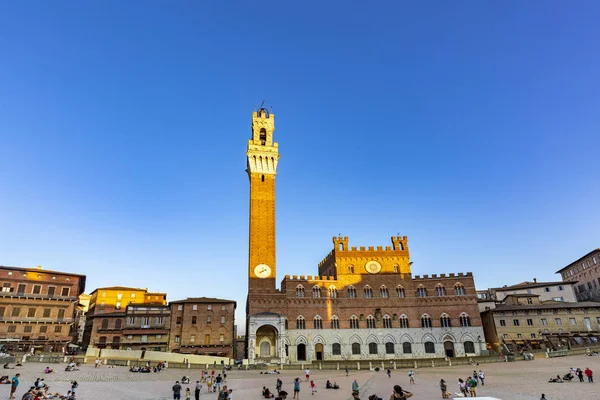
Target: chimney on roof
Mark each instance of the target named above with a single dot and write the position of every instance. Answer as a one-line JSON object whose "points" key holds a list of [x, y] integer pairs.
{"points": [[534, 280]]}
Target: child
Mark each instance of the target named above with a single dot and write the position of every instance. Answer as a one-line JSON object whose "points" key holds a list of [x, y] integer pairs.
{"points": [[209, 385], [188, 394], [313, 387]]}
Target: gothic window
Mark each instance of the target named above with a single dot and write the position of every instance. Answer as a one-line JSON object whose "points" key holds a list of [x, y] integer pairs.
{"points": [[351, 292], [445, 321], [299, 291], [425, 321], [459, 290], [332, 292], [370, 322], [400, 291], [387, 322], [368, 292], [429, 347], [396, 269], [465, 320], [335, 322], [318, 322], [353, 322], [469, 347], [383, 292], [355, 348], [440, 291], [389, 348], [351, 269], [406, 348], [421, 292], [403, 321], [300, 322], [372, 348], [316, 291], [336, 349]]}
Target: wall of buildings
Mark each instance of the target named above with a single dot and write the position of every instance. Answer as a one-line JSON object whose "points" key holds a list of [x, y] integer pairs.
{"points": [[585, 272]]}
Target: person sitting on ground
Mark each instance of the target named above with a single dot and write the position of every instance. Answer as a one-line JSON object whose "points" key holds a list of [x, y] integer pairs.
{"points": [[556, 380], [335, 385], [328, 385], [185, 380], [568, 377], [48, 370], [267, 393], [4, 379], [283, 395], [374, 397], [7, 366]]}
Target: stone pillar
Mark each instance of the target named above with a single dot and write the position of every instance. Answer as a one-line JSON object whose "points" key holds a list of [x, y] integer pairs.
{"points": [[358, 365], [337, 366], [394, 364]]}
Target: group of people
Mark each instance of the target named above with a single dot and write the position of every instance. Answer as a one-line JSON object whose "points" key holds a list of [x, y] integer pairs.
{"points": [[574, 372], [223, 393], [40, 390]]}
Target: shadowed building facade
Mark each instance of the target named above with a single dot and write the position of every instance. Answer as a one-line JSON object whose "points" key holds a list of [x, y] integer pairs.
{"points": [[364, 302]]}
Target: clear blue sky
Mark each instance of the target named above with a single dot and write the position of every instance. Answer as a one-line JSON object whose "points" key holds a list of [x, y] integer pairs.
{"points": [[471, 127]]}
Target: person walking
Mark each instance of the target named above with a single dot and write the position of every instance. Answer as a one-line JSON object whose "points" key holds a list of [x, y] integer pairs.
{"points": [[473, 387], [188, 394], [444, 389], [399, 394], [278, 385], [389, 372], [307, 373], [579, 374], [177, 391], [197, 390], [482, 377], [588, 373], [543, 397], [346, 371], [14, 384], [313, 388], [297, 388], [355, 386], [411, 377]]}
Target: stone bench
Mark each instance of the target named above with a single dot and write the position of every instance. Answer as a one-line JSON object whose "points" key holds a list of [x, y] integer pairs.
{"points": [[558, 353]]}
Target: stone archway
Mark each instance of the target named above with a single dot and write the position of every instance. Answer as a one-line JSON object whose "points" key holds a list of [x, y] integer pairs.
{"points": [[449, 348], [319, 353], [266, 343], [301, 352]]}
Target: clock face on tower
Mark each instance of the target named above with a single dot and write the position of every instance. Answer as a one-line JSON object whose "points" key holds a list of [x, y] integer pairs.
{"points": [[262, 271], [373, 267]]}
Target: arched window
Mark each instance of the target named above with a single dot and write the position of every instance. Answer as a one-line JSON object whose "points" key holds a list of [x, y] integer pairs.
{"points": [[396, 269], [368, 292], [406, 348], [469, 347], [102, 339], [336, 349], [403, 321], [383, 292], [445, 321], [353, 322], [335, 322], [400, 291], [263, 136], [300, 322], [387, 321], [316, 291], [425, 321], [459, 290], [355, 348], [421, 292], [105, 324], [372, 348], [370, 322], [299, 291], [389, 348], [332, 292], [440, 290], [351, 292], [116, 339], [351, 269], [118, 324], [318, 322], [465, 320], [429, 347]]}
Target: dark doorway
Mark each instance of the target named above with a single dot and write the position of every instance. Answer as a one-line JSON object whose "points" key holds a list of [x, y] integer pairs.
{"points": [[319, 351], [449, 348], [301, 352]]}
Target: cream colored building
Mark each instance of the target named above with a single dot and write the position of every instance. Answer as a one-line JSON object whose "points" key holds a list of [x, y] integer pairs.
{"points": [[585, 274]]}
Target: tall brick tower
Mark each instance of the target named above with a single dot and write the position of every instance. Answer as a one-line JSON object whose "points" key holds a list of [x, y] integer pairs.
{"points": [[263, 155]]}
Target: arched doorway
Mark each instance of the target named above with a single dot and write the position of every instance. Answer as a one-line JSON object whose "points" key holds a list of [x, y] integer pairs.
{"points": [[301, 352], [319, 351], [266, 342], [449, 348]]}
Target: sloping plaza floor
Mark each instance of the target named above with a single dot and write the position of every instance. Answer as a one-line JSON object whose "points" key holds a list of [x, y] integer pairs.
{"points": [[522, 380]]}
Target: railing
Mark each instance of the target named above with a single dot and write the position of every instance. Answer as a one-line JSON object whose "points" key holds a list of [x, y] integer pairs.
{"points": [[37, 296]]}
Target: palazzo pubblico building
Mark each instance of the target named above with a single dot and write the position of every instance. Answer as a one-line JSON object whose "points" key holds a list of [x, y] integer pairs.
{"points": [[363, 303]]}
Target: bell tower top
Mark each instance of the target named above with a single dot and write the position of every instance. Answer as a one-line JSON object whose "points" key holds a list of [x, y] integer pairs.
{"points": [[263, 153], [263, 125]]}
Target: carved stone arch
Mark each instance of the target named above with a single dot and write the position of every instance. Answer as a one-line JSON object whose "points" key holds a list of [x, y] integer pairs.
{"points": [[406, 338], [448, 338], [428, 337], [372, 338], [286, 340], [355, 338], [319, 339], [301, 340], [404, 316], [336, 339], [389, 338], [467, 337]]}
